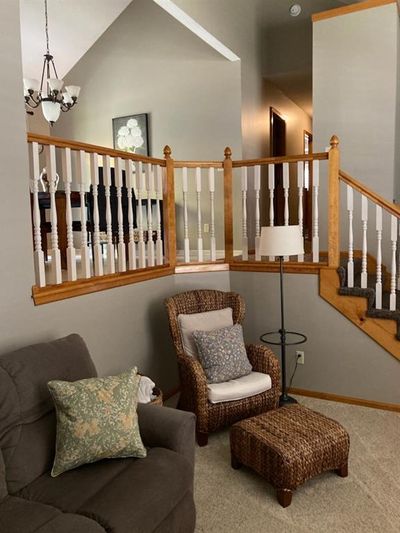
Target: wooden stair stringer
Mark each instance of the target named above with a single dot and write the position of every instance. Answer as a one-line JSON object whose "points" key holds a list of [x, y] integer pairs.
{"points": [[354, 308]]}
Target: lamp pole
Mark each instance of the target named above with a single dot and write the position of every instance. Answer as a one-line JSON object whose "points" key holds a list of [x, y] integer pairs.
{"points": [[284, 397]]}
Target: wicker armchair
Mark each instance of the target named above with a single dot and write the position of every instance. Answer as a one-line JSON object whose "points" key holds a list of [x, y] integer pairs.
{"points": [[194, 393]]}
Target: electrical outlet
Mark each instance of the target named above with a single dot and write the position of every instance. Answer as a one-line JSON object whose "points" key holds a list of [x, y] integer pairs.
{"points": [[206, 228], [300, 357]]}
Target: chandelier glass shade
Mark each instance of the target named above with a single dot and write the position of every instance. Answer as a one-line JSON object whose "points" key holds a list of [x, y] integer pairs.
{"points": [[49, 91]]}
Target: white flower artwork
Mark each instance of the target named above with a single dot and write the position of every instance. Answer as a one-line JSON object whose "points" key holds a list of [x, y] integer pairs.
{"points": [[130, 134]]}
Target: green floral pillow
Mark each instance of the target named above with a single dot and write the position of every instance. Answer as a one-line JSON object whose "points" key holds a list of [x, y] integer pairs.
{"points": [[96, 419]]}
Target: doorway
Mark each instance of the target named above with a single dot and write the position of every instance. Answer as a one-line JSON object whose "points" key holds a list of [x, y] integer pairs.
{"points": [[278, 148]]}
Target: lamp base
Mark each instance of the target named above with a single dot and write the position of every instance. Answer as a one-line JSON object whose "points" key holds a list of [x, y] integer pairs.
{"points": [[285, 399]]}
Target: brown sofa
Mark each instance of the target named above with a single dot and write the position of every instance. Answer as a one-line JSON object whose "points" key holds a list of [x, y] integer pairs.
{"points": [[154, 494]]}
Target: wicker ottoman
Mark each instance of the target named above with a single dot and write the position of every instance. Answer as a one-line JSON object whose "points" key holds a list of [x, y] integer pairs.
{"points": [[289, 445]]}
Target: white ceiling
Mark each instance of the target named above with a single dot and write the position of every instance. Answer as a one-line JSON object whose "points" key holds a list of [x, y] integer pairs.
{"points": [[74, 26]]}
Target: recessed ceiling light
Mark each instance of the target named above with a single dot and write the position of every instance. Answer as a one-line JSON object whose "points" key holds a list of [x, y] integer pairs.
{"points": [[295, 10]]}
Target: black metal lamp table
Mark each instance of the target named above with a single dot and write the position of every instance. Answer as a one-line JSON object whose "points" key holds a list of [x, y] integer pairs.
{"points": [[283, 341], [282, 241]]}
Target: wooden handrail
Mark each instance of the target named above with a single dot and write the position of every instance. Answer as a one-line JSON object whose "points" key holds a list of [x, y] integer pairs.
{"points": [[352, 8], [392, 208], [91, 148], [283, 159], [198, 164]]}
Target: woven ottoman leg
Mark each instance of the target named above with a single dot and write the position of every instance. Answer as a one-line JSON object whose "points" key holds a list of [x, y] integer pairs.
{"points": [[284, 497], [202, 438], [343, 471], [235, 463]]}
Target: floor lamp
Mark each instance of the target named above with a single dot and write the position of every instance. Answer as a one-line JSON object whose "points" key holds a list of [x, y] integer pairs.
{"points": [[282, 241]]}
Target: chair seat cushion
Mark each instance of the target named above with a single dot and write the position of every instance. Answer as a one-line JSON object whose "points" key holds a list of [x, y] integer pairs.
{"points": [[122, 495], [236, 389]]}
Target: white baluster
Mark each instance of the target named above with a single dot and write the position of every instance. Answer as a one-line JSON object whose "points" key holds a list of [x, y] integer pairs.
{"points": [[350, 261], [271, 188], [315, 239], [185, 190], [398, 260], [38, 256], [199, 228], [85, 258], [52, 177], [67, 178], [97, 255], [130, 180], [364, 219], [141, 187], [211, 186], [393, 237], [245, 243], [257, 187], [150, 190], [120, 215], [378, 285], [286, 198], [110, 262], [300, 185], [159, 195]]}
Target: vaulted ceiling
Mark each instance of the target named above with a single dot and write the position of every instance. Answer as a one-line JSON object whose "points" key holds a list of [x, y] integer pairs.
{"points": [[75, 25]]}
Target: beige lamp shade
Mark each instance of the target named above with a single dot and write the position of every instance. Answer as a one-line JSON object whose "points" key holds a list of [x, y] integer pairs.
{"points": [[281, 241]]}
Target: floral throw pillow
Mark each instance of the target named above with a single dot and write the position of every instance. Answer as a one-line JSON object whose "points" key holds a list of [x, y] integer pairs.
{"points": [[96, 419], [222, 353]]}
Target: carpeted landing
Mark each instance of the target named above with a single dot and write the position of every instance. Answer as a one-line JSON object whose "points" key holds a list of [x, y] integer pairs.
{"points": [[368, 501]]}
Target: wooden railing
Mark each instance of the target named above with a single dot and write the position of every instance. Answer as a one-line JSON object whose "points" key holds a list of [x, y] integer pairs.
{"points": [[105, 218], [387, 217]]}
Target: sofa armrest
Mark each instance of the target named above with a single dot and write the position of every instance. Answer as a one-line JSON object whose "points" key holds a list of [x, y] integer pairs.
{"points": [[168, 428]]}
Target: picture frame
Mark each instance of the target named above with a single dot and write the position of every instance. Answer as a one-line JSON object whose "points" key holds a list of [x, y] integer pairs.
{"points": [[131, 133]]}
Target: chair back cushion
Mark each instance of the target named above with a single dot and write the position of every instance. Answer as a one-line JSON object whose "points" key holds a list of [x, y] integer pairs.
{"points": [[222, 353], [200, 301], [27, 417], [207, 321]]}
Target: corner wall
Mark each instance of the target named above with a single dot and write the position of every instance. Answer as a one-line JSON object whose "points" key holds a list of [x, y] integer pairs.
{"points": [[124, 326], [339, 358]]}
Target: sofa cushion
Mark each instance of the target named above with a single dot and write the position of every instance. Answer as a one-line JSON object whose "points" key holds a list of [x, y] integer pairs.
{"points": [[122, 495], [27, 421], [207, 321], [96, 419], [21, 516], [236, 389]]}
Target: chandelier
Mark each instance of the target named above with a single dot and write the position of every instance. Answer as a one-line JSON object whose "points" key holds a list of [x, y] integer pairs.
{"points": [[49, 92]]}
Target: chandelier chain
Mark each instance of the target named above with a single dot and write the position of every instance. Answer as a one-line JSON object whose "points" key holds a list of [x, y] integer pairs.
{"points": [[46, 27]]}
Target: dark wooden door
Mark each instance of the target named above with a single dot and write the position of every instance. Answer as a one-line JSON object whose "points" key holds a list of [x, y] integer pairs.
{"points": [[278, 148]]}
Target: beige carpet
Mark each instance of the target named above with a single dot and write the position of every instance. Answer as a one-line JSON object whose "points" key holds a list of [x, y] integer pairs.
{"points": [[367, 501]]}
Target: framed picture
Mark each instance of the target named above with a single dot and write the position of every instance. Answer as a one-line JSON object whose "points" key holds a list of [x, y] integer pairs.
{"points": [[131, 134]]}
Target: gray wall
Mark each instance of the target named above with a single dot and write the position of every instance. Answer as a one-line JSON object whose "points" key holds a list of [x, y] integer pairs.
{"points": [[235, 23], [127, 325], [123, 327], [148, 62], [339, 358], [354, 96]]}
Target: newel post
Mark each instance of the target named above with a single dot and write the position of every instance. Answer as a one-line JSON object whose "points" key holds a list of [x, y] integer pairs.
{"points": [[228, 205], [169, 217], [334, 204]]}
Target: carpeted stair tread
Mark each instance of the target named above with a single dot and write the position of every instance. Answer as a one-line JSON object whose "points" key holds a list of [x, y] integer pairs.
{"points": [[369, 294]]}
